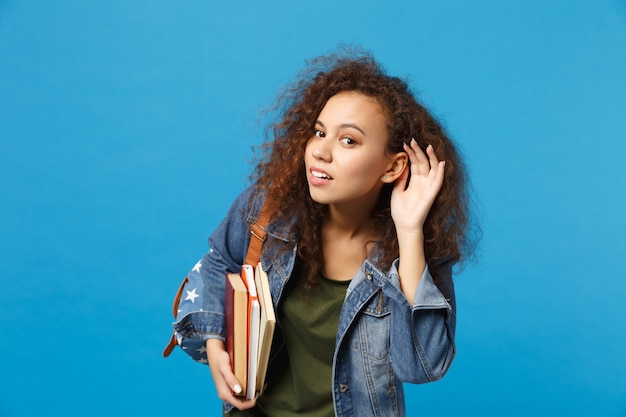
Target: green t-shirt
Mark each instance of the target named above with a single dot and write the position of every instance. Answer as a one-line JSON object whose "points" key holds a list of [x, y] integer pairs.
{"points": [[300, 379]]}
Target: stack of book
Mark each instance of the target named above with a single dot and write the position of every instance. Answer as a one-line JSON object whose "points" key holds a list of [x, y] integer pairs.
{"points": [[250, 322]]}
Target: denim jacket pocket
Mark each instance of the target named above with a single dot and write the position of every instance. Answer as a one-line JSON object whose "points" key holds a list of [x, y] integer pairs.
{"points": [[371, 335]]}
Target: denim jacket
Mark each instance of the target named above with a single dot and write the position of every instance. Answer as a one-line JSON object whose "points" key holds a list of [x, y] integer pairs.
{"points": [[382, 341]]}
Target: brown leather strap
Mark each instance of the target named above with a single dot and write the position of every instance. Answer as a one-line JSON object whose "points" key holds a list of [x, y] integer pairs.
{"points": [[172, 343], [170, 346], [258, 235]]}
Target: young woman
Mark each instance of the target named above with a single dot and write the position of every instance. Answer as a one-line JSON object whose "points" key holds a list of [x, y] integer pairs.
{"points": [[369, 207]]}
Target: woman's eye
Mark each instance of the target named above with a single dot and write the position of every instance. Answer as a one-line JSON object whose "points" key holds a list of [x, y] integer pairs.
{"points": [[319, 133], [347, 140]]}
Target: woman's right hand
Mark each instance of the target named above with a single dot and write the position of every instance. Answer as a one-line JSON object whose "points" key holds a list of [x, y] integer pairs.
{"points": [[225, 381]]}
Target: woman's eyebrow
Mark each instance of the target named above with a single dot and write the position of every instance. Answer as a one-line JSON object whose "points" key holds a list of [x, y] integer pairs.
{"points": [[343, 125]]}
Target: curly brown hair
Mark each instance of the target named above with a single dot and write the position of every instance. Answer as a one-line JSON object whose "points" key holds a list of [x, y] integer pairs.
{"points": [[280, 172]]}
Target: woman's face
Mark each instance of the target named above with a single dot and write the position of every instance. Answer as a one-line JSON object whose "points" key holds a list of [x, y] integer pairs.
{"points": [[345, 158]]}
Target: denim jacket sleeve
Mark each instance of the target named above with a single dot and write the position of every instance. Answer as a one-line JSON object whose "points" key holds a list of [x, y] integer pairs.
{"points": [[426, 329], [200, 313]]}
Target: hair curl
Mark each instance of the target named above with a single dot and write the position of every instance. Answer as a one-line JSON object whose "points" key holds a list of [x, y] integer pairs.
{"points": [[281, 172]]}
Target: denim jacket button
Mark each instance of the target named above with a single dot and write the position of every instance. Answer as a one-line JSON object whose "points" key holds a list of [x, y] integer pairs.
{"points": [[343, 388], [368, 275]]}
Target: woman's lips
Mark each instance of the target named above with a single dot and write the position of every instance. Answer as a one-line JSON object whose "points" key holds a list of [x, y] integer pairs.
{"points": [[319, 176]]}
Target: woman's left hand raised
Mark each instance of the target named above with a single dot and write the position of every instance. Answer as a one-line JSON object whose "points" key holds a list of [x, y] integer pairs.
{"points": [[410, 204]]}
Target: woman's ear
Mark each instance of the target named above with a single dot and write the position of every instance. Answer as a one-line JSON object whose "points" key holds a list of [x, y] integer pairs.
{"points": [[397, 164]]}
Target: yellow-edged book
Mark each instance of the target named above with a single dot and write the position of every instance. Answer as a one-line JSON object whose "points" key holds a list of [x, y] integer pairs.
{"points": [[268, 322]]}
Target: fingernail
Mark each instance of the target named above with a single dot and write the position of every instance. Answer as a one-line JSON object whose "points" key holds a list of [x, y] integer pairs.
{"points": [[237, 389]]}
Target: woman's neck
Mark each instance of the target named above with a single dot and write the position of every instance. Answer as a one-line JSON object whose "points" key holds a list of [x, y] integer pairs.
{"points": [[347, 236], [349, 222]]}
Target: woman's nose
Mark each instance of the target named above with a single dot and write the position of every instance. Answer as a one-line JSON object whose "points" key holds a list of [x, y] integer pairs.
{"points": [[322, 149]]}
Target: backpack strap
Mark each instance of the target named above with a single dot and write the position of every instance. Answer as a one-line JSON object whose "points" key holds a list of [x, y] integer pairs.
{"points": [[172, 342], [258, 235]]}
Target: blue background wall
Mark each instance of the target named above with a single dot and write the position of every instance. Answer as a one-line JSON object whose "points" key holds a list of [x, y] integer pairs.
{"points": [[125, 128]]}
